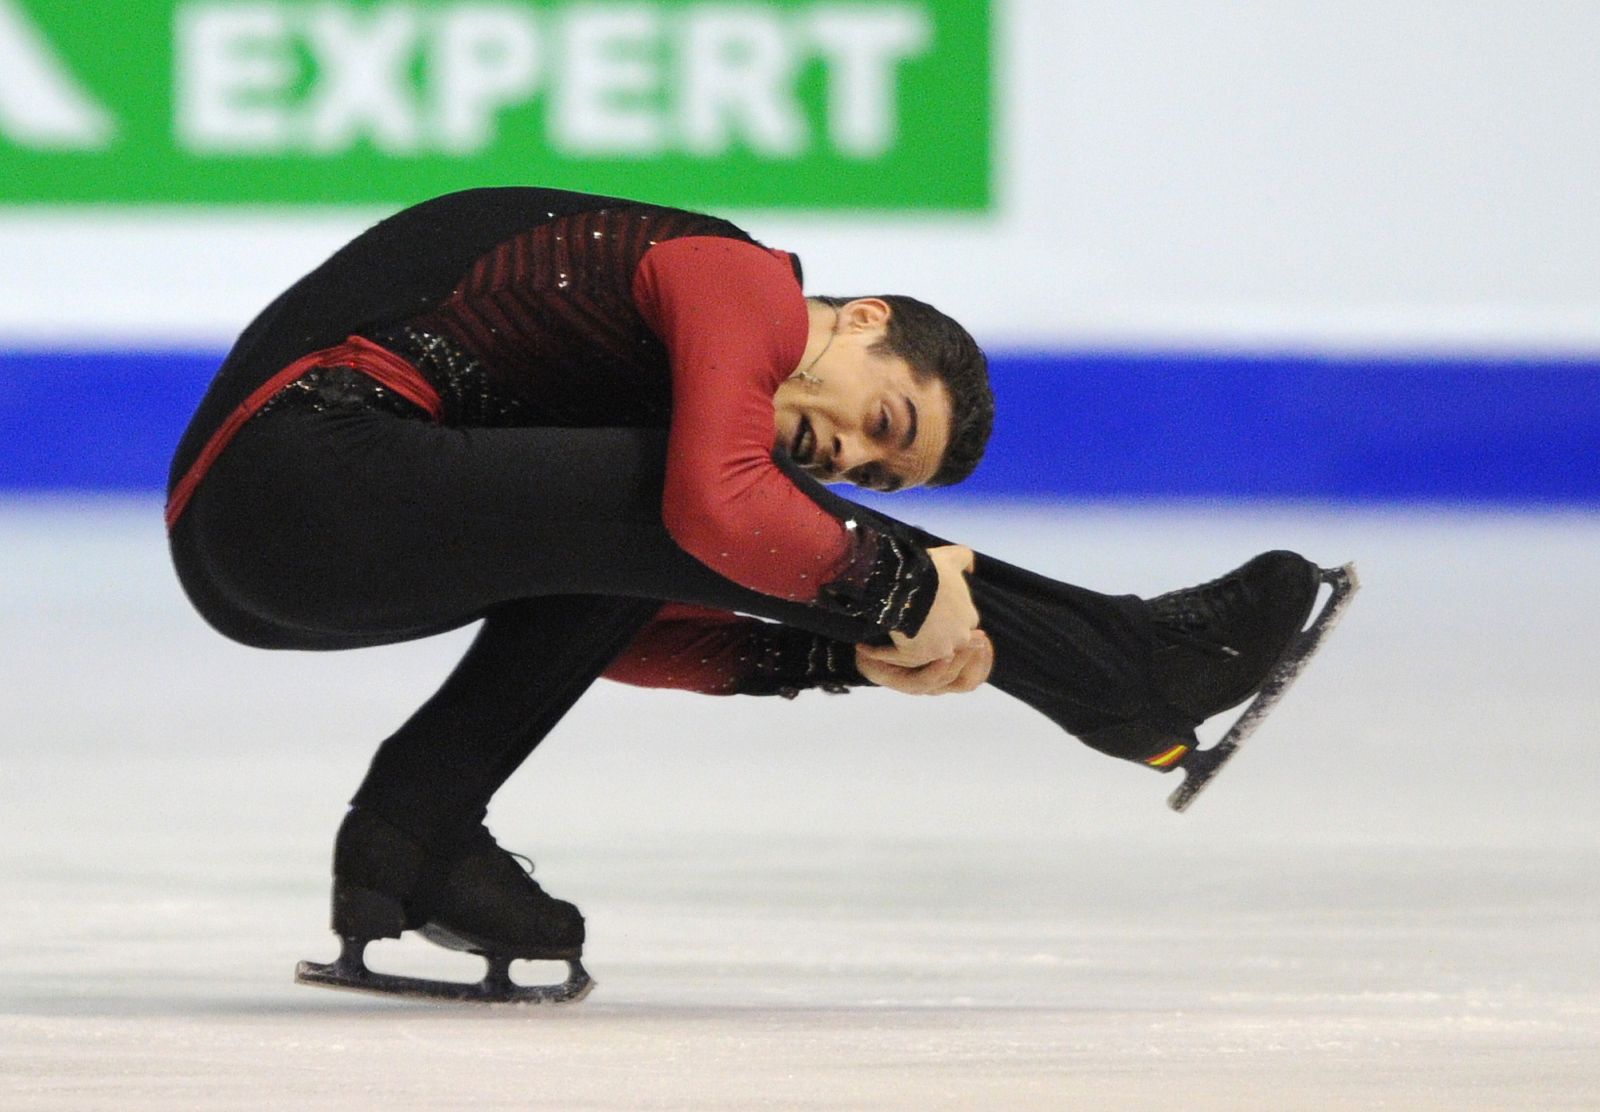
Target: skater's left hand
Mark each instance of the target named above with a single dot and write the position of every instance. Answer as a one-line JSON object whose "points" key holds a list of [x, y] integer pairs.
{"points": [[966, 670]]}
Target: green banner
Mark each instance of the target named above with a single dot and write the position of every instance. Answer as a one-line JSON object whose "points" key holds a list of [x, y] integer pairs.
{"points": [[874, 104]]}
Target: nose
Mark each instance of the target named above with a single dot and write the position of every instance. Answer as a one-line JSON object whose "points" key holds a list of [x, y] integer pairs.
{"points": [[849, 452]]}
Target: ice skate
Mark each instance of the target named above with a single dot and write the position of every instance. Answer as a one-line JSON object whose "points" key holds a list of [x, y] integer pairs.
{"points": [[478, 899], [1252, 623], [1217, 642]]}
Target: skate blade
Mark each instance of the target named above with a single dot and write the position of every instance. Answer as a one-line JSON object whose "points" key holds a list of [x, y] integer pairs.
{"points": [[349, 972], [1201, 766]]}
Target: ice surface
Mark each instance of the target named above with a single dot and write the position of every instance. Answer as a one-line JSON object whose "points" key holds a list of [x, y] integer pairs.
{"points": [[870, 902]]}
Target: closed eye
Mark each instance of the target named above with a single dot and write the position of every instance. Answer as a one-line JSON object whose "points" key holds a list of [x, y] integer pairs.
{"points": [[873, 477]]}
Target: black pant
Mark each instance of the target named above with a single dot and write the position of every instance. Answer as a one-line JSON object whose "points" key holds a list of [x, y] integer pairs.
{"points": [[353, 527]]}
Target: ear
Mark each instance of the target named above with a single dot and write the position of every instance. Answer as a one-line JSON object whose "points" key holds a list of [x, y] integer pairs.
{"points": [[865, 314]]}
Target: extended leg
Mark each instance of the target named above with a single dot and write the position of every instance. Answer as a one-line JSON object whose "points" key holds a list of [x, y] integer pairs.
{"points": [[357, 526]]}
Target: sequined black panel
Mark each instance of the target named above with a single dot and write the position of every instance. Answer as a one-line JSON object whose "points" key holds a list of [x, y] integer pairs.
{"points": [[327, 388], [889, 582], [788, 661], [469, 393]]}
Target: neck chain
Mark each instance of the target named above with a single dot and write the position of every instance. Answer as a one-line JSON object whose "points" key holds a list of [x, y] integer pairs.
{"points": [[804, 374]]}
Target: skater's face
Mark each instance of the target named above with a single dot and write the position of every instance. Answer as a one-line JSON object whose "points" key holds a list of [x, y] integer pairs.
{"points": [[855, 413]]}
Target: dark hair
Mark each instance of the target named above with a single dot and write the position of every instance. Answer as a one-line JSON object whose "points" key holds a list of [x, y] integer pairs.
{"points": [[936, 346]]}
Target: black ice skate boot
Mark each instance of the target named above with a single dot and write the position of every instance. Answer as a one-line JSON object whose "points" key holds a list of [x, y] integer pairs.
{"points": [[472, 896], [1217, 642], [1221, 643], [483, 899], [1214, 646]]}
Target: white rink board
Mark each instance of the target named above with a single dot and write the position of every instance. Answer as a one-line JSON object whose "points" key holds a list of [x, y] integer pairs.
{"points": [[867, 902], [1389, 174]]}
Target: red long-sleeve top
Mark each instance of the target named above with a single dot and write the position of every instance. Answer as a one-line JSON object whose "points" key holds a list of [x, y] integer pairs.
{"points": [[735, 325]]}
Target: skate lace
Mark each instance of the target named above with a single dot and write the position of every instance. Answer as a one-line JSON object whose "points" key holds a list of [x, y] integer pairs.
{"points": [[526, 864], [1194, 615]]}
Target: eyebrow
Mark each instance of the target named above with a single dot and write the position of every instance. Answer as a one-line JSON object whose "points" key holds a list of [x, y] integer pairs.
{"points": [[911, 430]]}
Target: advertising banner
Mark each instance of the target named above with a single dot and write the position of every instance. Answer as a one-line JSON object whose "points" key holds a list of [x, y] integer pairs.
{"points": [[870, 104]]}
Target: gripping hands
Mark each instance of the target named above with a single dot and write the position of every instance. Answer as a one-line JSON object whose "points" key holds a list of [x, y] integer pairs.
{"points": [[949, 653]]}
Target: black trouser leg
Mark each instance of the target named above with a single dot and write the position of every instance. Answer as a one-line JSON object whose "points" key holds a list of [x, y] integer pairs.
{"points": [[530, 662]]}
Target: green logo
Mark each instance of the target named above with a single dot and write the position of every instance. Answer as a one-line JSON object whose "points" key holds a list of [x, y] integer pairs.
{"points": [[827, 104]]}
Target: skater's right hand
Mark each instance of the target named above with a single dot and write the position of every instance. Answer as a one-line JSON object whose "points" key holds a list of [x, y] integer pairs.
{"points": [[950, 621], [965, 671]]}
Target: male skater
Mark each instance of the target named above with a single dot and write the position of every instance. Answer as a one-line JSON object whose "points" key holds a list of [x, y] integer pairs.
{"points": [[597, 426]]}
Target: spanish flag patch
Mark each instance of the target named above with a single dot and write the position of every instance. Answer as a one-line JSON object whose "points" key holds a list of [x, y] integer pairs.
{"points": [[1169, 758]]}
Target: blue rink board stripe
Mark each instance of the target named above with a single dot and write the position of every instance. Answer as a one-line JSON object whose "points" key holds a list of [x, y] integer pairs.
{"points": [[1072, 424]]}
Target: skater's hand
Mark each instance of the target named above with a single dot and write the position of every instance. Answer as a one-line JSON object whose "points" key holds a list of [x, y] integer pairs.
{"points": [[965, 671], [950, 622]]}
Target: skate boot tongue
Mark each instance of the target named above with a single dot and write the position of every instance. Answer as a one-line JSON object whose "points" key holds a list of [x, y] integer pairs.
{"points": [[1196, 618], [1226, 609]]}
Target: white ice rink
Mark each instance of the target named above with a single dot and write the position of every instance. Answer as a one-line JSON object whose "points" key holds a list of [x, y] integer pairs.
{"points": [[872, 902]]}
